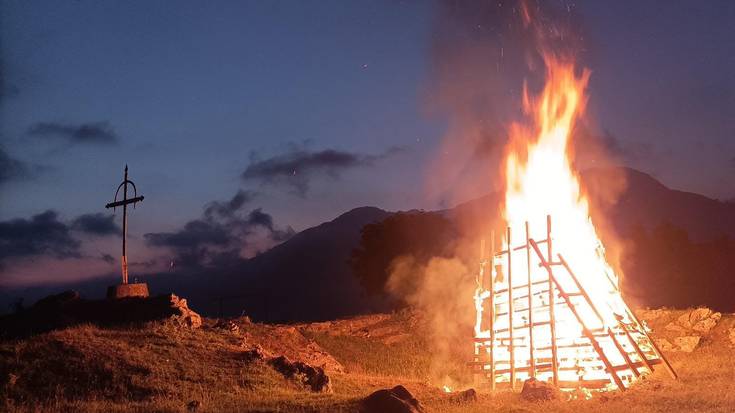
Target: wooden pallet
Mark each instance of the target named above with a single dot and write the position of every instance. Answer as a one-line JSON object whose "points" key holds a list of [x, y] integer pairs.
{"points": [[614, 355]]}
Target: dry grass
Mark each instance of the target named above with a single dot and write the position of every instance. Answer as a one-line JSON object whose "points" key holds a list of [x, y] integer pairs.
{"points": [[162, 367]]}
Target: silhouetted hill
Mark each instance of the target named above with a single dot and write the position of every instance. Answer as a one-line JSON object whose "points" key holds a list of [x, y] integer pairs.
{"points": [[309, 276], [648, 203]]}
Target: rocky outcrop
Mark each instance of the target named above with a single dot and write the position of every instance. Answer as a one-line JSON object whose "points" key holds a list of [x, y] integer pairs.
{"points": [[535, 390], [463, 397], [290, 342], [310, 377], [182, 313], [395, 400], [688, 329]]}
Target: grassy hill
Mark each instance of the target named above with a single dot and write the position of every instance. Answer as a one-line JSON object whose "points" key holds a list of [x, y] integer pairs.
{"points": [[165, 367]]}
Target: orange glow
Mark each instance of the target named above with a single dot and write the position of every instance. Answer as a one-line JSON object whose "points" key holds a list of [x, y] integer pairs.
{"points": [[540, 182]]}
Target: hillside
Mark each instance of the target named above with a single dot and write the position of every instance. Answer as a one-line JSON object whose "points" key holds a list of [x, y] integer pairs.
{"points": [[224, 366]]}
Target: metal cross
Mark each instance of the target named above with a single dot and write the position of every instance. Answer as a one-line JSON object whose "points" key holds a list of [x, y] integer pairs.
{"points": [[124, 203]]}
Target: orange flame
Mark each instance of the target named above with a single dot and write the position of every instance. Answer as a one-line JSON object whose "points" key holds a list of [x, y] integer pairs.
{"points": [[540, 182]]}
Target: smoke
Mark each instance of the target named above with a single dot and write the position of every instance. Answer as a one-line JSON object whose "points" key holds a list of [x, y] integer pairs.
{"points": [[485, 56], [481, 55], [441, 289]]}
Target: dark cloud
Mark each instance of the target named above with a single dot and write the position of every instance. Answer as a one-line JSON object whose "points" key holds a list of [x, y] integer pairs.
{"points": [[96, 224], [195, 234], [42, 234], [229, 208], [298, 166], [83, 133], [257, 217], [11, 169], [108, 258], [218, 237]]}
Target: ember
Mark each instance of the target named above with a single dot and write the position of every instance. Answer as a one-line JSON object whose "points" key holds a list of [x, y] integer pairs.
{"points": [[548, 305]]}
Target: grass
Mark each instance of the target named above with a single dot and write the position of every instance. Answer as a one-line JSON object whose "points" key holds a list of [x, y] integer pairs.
{"points": [[162, 367]]}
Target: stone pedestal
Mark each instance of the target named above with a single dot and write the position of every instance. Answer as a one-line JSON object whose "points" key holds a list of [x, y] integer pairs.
{"points": [[138, 290]]}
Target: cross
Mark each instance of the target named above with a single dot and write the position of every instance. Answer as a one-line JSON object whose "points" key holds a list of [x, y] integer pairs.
{"points": [[124, 203]]}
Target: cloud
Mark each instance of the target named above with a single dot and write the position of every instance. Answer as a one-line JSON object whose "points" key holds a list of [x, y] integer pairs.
{"points": [[219, 236], [229, 208], [83, 133], [298, 166], [108, 258], [12, 169], [732, 162], [42, 234], [96, 224]]}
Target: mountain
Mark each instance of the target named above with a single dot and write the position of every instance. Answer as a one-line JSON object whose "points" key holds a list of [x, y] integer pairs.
{"points": [[309, 276], [646, 202]]}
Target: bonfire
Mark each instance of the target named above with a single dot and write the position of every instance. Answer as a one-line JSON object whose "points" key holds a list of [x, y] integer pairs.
{"points": [[548, 303]]}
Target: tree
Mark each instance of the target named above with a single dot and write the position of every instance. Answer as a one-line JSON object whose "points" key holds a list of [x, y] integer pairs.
{"points": [[423, 235]]}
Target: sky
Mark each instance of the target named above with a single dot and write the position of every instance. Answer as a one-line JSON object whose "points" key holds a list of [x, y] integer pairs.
{"points": [[274, 116]]}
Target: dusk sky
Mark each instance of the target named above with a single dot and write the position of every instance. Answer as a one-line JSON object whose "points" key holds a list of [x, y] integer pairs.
{"points": [[309, 108]]}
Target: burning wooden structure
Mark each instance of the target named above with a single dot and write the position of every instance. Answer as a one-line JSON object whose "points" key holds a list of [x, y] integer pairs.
{"points": [[536, 318]]}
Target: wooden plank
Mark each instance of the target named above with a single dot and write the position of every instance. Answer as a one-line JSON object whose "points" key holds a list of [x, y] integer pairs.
{"points": [[552, 317], [622, 351], [637, 349], [580, 288], [530, 303], [585, 330], [492, 309], [511, 328]]}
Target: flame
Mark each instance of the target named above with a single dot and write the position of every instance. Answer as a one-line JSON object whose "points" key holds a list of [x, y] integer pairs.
{"points": [[544, 183], [540, 181]]}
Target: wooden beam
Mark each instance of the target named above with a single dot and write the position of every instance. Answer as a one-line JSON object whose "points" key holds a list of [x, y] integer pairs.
{"points": [[510, 311], [530, 304], [552, 317], [622, 351], [585, 330]]}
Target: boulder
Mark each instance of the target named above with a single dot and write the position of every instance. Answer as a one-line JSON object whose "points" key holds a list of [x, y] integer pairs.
{"points": [[312, 377], [701, 320], [183, 314], [535, 390], [395, 400], [463, 397], [731, 336], [228, 325], [687, 344], [665, 344], [675, 327]]}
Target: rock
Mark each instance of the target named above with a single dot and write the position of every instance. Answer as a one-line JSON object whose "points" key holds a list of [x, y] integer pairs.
{"points": [[664, 344], [676, 328], [651, 314], [463, 397], [701, 320], [535, 390], [312, 377], [395, 400], [731, 336], [183, 314], [256, 353], [193, 405], [687, 344], [227, 325]]}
